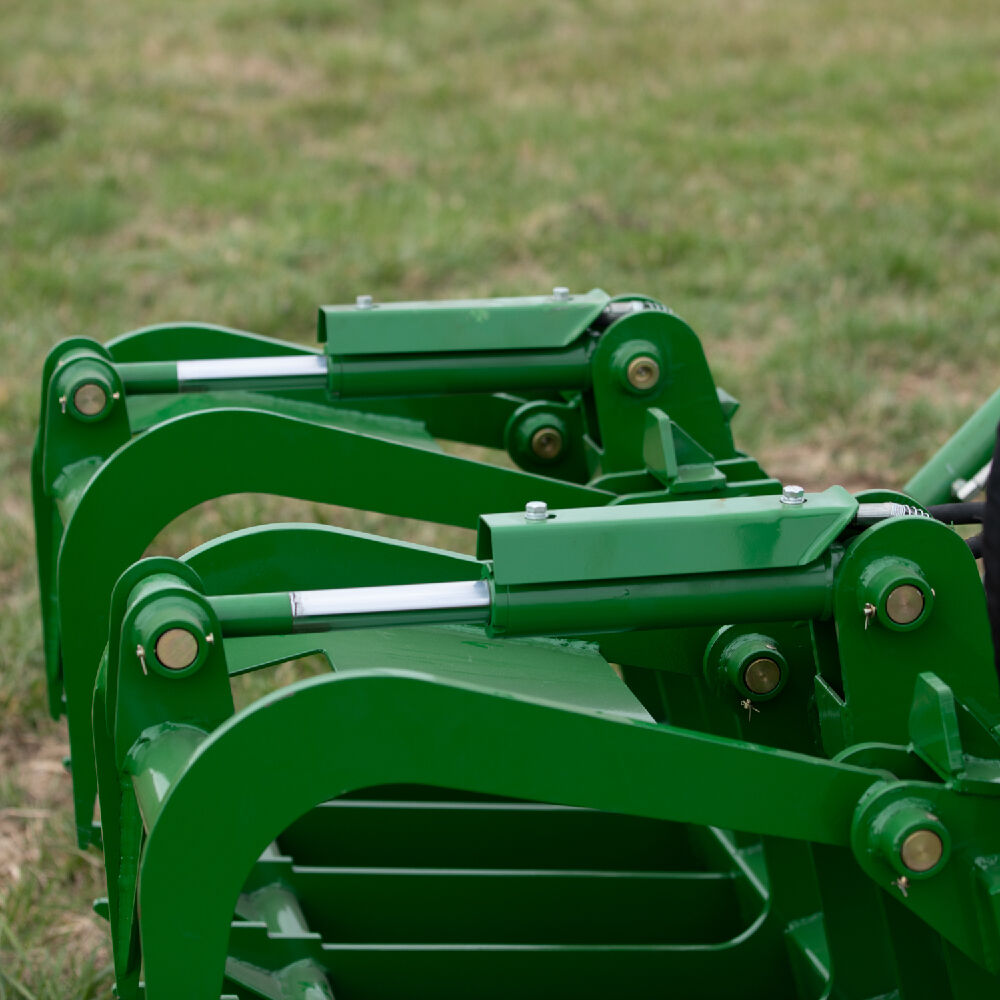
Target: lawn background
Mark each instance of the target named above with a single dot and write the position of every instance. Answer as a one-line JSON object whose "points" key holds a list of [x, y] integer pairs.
{"points": [[813, 186]]}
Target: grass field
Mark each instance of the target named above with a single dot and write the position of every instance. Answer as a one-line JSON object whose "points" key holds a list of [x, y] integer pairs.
{"points": [[812, 186]]}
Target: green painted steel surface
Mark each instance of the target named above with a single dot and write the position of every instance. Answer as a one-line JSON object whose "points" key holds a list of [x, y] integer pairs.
{"points": [[671, 602], [453, 737], [682, 539], [108, 529], [954, 642], [571, 674], [279, 565], [68, 471], [595, 436], [684, 391], [545, 721], [530, 323], [603, 808], [366, 375]]}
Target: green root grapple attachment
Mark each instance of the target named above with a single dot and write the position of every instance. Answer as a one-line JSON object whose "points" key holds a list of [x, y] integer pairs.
{"points": [[674, 731], [596, 400]]}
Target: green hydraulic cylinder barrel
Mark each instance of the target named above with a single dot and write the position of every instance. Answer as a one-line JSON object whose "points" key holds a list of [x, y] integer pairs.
{"points": [[254, 614], [362, 376], [960, 458], [147, 377], [793, 594]]}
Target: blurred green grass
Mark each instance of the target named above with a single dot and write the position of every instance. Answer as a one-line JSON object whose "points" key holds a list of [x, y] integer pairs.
{"points": [[812, 186]]}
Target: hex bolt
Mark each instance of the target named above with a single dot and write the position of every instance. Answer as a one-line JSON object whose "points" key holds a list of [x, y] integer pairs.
{"points": [[921, 851], [762, 675], [792, 495], [90, 399], [905, 604], [547, 443], [560, 293], [364, 302], [536, 510], [177, 648], [643, 372]]}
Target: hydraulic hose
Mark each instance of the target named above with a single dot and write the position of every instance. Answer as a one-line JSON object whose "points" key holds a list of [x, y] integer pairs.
{"points": [[991, 550]]}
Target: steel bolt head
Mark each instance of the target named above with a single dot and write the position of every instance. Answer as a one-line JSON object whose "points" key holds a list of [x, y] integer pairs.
{"points": [[793, 495], [547, 443], [90, 399], [643, 372], [921, 851], [762, 675], [905, 604], [536, 510], [364, 302], [177, 648], [560, 293]]}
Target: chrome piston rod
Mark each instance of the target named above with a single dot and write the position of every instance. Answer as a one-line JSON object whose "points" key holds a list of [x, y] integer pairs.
{"points": [[462, 601], [307, 370]]}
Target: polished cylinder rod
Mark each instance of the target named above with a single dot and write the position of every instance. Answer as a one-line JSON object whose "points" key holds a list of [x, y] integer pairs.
{"points": [[290, 371], [462, 601]]}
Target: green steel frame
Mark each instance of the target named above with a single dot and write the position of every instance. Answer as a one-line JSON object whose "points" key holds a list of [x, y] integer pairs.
{"points": [[786, 785], [105, 484], [433, 765]]}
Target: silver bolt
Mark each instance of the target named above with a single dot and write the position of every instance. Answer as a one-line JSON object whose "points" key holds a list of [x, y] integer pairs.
{"points": [[793, 495], [364, 301], [536, 510], [560, 293]]}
